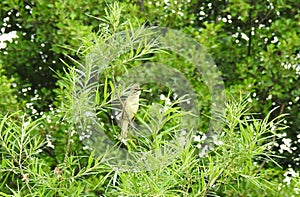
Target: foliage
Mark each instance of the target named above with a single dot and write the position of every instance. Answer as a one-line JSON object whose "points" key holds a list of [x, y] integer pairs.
{"points": [[8, 102], [254, 43], [230, 170]]}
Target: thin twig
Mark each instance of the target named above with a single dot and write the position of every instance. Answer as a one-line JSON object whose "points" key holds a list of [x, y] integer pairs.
{"points": [[264, 18], [115, 86], [68, 146], [274, 137]]}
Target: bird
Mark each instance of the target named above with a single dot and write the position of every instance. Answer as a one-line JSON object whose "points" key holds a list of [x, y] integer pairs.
{"points": [[129, 109]]}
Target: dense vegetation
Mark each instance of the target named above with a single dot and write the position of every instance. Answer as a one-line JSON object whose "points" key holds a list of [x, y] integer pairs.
{"points": [[47, 86]]}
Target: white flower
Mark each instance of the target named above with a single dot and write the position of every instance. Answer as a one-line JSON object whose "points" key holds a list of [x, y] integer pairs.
{"points": [[287, 180], [289, 175], [202, 13], [274, 40], [86, 148], [269, 97], [245, 37], [197, 138], [8, 36], [287, 141]]}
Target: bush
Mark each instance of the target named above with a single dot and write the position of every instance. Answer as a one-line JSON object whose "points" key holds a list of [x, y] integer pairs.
{"points": [[255, 44], [8, 101]]}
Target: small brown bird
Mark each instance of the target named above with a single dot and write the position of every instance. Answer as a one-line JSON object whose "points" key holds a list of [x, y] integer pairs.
{"points": [[130, 108]]}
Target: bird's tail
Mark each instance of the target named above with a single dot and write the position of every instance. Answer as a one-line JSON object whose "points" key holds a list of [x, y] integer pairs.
{"points": [[124, 129]]}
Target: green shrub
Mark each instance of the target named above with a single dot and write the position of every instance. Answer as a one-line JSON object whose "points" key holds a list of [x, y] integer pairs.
{"points": [[8, 101], [255, 44]]}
